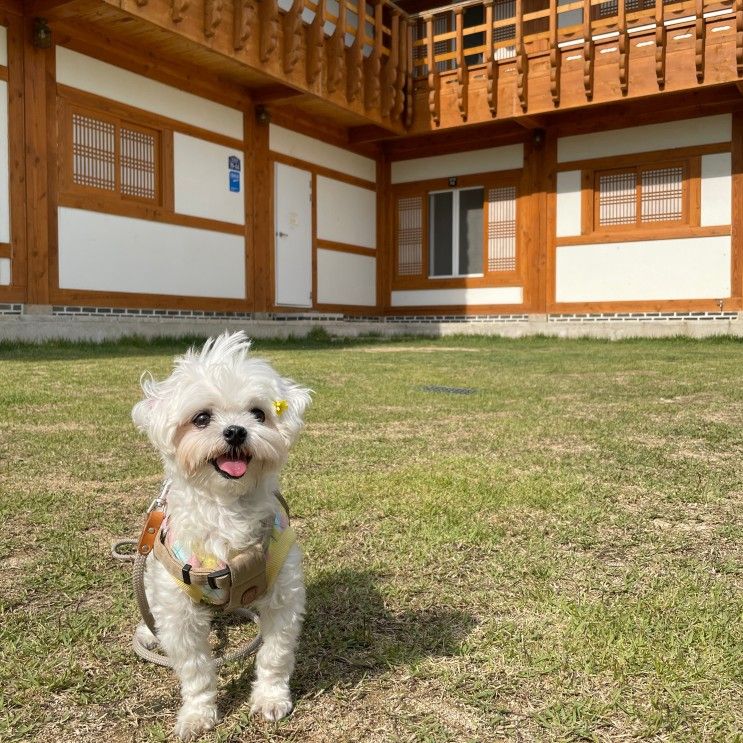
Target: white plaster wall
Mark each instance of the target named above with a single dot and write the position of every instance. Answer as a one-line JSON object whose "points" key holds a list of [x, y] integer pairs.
{"points": [[302, 147], [4, 271], [3, 46], [667, 136], [568, 203], [509, 157], [432, 297], [4, 167], [92, 75], [202, 180], [346, 278], [346, 213], [688, 268], [717, 193], [104, 252]]}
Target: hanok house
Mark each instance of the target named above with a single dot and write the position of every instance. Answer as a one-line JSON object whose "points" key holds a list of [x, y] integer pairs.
{"points": [[487, 160]]}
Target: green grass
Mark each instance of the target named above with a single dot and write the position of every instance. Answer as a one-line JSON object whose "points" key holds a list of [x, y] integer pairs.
{"points": [[556, 557]]}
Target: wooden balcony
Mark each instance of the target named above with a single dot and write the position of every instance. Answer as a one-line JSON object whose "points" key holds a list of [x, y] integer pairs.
{"points": [[342, 61], [483, 60], [379, 72]]}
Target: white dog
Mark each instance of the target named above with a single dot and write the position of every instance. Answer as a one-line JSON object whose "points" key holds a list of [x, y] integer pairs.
{"points": [[223, 423]]}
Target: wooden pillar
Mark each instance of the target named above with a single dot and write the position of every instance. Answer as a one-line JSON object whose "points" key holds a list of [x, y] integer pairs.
{"points": [[736, 220], [385, 250], [259, 185], [537, 218], [38, 66]]}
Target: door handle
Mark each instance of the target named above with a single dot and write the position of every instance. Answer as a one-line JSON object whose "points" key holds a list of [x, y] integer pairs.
{"points": [[282, 234]]}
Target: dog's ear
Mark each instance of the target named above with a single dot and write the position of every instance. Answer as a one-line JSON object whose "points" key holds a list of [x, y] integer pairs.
{"points": [[150, 414], [297, 401]]}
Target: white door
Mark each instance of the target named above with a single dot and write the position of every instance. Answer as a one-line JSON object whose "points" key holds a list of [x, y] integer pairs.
{"points": [[293, 240]]}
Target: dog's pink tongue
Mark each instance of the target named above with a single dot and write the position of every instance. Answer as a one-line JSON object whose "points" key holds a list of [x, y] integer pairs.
{"points": [[233, 467]]}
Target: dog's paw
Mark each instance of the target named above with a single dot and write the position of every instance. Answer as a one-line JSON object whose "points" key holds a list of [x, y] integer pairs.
{"points": [[193, 721], [272, 704], [145, 637]]}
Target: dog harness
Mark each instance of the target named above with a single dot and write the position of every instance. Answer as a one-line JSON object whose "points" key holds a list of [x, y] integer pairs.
{"points": [[241, 580]]}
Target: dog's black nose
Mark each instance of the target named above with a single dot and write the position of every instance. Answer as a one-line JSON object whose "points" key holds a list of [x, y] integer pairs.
{"points": [[235, 435]]}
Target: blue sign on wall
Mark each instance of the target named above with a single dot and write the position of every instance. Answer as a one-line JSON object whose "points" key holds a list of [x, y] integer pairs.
{"points": [[233, 163], [235, 181]]}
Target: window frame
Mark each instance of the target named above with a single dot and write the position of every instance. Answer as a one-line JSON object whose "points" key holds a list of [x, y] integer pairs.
{"points": [[116, 196], [638, 171], [422, 189]]}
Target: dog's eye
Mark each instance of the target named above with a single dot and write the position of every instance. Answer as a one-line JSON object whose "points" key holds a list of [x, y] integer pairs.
{"points": [[202, 419], [259, 414]]}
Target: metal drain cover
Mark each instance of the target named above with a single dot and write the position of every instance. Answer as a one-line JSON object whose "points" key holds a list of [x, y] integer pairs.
{"points": [[448, 390]]}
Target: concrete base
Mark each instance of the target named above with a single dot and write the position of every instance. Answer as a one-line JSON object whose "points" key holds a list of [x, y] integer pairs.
{"points": [[37, 326]]}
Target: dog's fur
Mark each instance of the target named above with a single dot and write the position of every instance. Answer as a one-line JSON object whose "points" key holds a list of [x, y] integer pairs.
{"points": [[224, 515]]}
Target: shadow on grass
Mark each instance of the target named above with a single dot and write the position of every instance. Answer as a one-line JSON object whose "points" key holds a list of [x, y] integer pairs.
{"points": [[349, 634]]}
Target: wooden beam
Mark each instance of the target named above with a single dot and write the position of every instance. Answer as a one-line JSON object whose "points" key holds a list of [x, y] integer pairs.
{"points": [[261, 246], [736, 238], [280, 94], [370, 133]]}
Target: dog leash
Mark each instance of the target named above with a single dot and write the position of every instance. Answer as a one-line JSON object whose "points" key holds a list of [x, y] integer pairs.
{"points": [[121, 551]]}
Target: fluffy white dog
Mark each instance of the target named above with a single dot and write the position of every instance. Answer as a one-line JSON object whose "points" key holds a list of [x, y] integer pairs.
{"points": [[223, 423]]}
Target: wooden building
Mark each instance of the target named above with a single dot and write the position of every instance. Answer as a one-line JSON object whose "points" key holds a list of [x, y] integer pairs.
{"points": [[487, 158]]}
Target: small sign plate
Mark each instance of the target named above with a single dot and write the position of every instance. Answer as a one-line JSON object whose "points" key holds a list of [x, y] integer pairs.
{"points": [[235, 181]]}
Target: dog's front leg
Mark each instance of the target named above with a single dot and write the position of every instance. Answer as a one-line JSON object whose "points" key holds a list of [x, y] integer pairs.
{"points": [[183, 630], [281, 613]]}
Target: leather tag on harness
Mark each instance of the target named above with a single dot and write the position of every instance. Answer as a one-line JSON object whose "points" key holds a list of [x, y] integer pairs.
{"points": [[149, 532]]}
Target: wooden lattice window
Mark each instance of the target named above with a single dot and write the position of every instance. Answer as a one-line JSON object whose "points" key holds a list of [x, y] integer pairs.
{"points": [[502, 228], [642, 196], [409, 236], [109, 155]]}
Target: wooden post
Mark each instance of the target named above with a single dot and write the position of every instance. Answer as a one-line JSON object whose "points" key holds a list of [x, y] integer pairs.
{"points": [[384, 236], [336, 50], [661, 38], [409, 81], [491, 63], [624, 47], [555, 55], [522, 60], [700, 41], [739, 37], [373, 65], [315, 43], [433, 76], [244, 16], [212, 17], [355, 69], [259, 195], [736, 220], [390, 94], [589, 50], [178, 9], [292, 35], [269, 22], [37, 64], [462, 72], [402, 60]]}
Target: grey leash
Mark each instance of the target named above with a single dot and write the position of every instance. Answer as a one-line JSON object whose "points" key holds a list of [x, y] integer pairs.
{"points": [[120, 551]]}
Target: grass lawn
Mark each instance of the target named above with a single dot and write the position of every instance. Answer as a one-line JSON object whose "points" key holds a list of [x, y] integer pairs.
{"points": [[556, 557]]}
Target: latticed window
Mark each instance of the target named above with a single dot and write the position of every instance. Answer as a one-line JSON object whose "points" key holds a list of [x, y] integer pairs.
{"points": [[502, 228], [109, 155], [641, 196], [409, 236]]}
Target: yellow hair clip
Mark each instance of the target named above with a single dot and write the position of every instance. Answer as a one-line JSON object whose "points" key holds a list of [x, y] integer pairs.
{"points": [[280, 406]]}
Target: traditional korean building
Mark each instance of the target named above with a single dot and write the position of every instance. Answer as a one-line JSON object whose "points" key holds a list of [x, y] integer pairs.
{"points": [[484, 160]]}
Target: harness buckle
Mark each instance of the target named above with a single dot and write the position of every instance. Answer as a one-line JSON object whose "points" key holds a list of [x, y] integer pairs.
{"points": [[212, 578]]}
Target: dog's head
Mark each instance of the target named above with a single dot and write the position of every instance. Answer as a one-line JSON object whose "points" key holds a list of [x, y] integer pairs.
{"points": [[222, 419]]}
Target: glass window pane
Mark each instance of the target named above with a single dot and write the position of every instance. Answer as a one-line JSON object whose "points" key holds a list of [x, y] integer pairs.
{"points": [[470, 230], [440, 240]]}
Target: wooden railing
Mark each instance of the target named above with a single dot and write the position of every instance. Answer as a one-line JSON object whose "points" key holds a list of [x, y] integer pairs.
{"points": [[486, 32]]}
